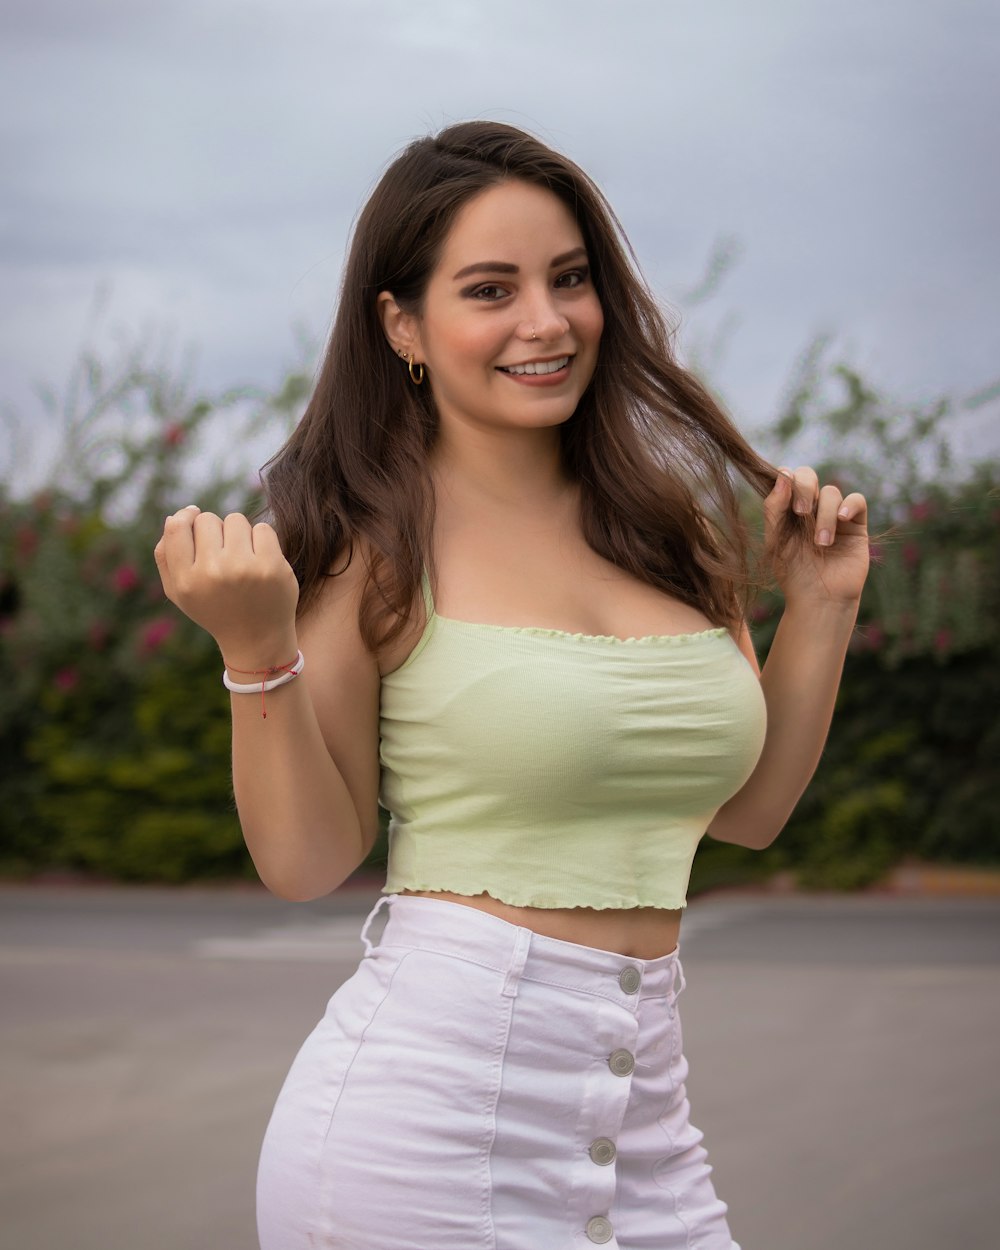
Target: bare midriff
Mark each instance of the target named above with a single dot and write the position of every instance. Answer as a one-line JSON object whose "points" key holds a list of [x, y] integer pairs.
{"points": [[636, 932]]}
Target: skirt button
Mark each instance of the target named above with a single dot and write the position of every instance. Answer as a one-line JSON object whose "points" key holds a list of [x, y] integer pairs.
{"points": [[629, 979], [599, 1230], [621, 1062]]}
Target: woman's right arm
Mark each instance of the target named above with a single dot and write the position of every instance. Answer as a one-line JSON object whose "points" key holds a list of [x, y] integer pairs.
{"points": [[306, 777]]}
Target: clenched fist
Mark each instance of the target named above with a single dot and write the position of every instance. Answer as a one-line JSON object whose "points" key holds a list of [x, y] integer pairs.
{"points": [[231, 578]]}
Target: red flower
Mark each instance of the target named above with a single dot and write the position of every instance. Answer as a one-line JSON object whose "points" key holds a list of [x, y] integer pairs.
{"points": [[125, 578], [66, 679], [174, 434], [943, 640], [911, 555], [921, 511], [155, 633]]}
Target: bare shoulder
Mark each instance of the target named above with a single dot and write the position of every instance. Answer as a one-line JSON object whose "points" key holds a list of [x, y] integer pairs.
{"points": [[745, 644], [343, 680]]}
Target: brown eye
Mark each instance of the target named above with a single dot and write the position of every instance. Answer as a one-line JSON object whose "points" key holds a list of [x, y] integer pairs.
{"points": [[573, 278]]}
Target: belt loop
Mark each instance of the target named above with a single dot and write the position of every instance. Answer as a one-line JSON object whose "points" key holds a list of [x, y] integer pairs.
{"points": [[679, 981], [369, 946], [518, 958]]}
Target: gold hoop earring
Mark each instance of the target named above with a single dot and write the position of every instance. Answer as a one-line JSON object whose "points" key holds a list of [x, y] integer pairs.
{"points": [[416, 374]]}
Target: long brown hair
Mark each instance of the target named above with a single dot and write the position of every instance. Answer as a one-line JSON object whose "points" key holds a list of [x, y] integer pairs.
{"points": [[655, 455]]}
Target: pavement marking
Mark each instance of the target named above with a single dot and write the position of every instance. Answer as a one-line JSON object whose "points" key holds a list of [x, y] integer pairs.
{"points": [[703, 917], [315, 942], [322, 941]]}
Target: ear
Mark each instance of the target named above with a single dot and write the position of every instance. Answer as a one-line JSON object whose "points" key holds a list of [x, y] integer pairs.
{"points": [[402, 329]]}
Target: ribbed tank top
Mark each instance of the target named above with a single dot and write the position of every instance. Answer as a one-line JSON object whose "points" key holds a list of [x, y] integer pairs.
{"points": [[552, 769]]}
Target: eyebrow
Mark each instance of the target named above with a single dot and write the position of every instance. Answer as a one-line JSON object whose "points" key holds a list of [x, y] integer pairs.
{"points": [[503, 266]]}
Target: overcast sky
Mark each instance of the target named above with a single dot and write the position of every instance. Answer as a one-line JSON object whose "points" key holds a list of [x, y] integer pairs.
{"points": [[202, 161]]}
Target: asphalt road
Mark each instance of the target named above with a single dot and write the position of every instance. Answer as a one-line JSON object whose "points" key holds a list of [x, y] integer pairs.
{"points": [[843, 1055]]}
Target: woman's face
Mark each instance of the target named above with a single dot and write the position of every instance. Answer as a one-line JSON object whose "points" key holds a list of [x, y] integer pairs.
{"points": [[511, 322]]}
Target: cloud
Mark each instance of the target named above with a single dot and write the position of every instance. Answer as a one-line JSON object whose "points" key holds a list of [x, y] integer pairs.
{"points": [[207, 158]]}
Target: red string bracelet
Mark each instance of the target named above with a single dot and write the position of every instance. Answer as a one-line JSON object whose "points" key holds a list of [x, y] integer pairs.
{"points": [[288, 672]]}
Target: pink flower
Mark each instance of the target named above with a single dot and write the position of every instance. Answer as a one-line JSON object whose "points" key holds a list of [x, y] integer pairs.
{"points": [[875, 553], [174, 434], [155, 633], [66, 679], [874, 637], [921, 511], [943, 640], [125, 578], [911, 555]]}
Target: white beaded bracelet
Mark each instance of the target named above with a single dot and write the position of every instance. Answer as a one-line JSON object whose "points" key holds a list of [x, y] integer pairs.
{"points": [[287, 673]]}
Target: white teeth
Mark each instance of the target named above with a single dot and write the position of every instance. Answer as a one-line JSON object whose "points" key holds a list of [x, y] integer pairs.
{"points": [[547, 366]]}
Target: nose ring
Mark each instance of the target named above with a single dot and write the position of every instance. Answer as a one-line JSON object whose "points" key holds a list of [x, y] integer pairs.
{"points": [[533, 334]]}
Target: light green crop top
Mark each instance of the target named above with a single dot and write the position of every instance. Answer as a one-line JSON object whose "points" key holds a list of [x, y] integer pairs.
{"points": [[552, 769]]}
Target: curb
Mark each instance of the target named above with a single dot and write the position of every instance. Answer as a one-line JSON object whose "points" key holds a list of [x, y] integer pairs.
{"points": [[941, 880]]}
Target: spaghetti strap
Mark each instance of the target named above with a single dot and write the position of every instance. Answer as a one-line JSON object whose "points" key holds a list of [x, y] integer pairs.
{"points": [[425, 583]]}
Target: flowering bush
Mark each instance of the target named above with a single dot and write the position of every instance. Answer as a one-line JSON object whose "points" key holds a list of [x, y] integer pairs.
{"points": [[115, 748], [910, 765], [115, 729]]}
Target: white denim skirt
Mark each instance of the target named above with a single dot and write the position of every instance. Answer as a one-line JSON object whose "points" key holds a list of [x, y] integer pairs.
{"points": [[474, 1085]]}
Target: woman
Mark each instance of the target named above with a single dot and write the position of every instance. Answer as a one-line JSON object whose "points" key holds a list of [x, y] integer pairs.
{"points": [[506, 538]]}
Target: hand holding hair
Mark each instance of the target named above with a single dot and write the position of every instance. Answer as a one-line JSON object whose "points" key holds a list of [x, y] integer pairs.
{"points": [[831, 568]]}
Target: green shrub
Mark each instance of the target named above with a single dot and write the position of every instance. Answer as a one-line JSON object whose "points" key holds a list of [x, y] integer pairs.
{"points": [[114, 737]]}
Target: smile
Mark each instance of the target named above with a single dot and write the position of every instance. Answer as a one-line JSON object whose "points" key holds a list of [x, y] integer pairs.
{"points": [[536, 366]]}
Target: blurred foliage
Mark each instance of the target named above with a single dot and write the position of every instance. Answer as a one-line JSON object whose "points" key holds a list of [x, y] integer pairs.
{"points": [[114, 736], [910, 767], [115, 729]]}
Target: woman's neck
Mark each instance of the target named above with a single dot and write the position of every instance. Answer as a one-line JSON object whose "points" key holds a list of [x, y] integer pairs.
{"points": [[507, 472]]}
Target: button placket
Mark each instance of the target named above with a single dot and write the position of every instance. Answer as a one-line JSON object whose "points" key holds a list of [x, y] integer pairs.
{"points": [[596, 1183]]}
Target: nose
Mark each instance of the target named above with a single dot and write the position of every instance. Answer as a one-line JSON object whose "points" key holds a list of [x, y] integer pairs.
{"points": [[542, 321]]}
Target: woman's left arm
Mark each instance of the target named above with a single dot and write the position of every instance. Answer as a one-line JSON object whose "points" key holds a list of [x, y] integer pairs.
{"points": [[821, 583]]}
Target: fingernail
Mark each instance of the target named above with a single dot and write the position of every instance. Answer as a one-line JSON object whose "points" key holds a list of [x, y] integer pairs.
{"points": [[844, 512], [801, 507], [824, 538], [189, 506]]}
